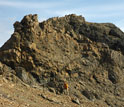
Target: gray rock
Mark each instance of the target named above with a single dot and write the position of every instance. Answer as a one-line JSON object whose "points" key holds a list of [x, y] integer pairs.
{"points": [[76, 101], [52, 90], [24, 76], [89, 95]]}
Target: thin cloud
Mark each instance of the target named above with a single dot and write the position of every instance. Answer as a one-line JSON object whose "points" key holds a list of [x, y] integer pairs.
{"points": [[89, 14], [106, 7], [120, 23], [42, 19], [19, 4], [103, 10]]}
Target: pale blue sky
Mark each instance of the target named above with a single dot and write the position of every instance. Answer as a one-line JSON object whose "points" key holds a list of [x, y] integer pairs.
{"points": [[93, 11]]}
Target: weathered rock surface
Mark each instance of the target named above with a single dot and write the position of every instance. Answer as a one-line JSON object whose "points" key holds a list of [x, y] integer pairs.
{"points": [[88, 56]]}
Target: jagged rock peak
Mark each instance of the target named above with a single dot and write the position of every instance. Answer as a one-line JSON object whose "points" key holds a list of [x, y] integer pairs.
{"points": [[27, 22], [30, 18], [70, 17], [56, 40]]}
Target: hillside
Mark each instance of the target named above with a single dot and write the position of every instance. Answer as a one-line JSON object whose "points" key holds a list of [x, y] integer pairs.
{"points": [[89, 57]]}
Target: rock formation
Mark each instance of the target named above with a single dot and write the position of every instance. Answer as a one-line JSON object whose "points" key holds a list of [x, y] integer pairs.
{"points": [[89, 56]]}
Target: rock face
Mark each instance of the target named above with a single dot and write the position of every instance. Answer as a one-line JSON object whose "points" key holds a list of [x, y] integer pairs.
{"points": [[89, 56]]}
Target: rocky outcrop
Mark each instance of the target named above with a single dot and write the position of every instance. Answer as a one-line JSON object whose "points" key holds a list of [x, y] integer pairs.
{"points": [[89, 56]]}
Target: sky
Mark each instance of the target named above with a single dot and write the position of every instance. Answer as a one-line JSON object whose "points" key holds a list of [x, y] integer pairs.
{"points": [[101, 11]]}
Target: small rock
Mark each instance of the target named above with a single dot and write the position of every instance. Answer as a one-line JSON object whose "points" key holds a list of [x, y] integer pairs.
{"points": [[52, 90], [76, 101], [11, 85], [122, 99], [55, 100], [51, 99], [1, 72], [88, 94], [113, 77], [5, 80]]}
